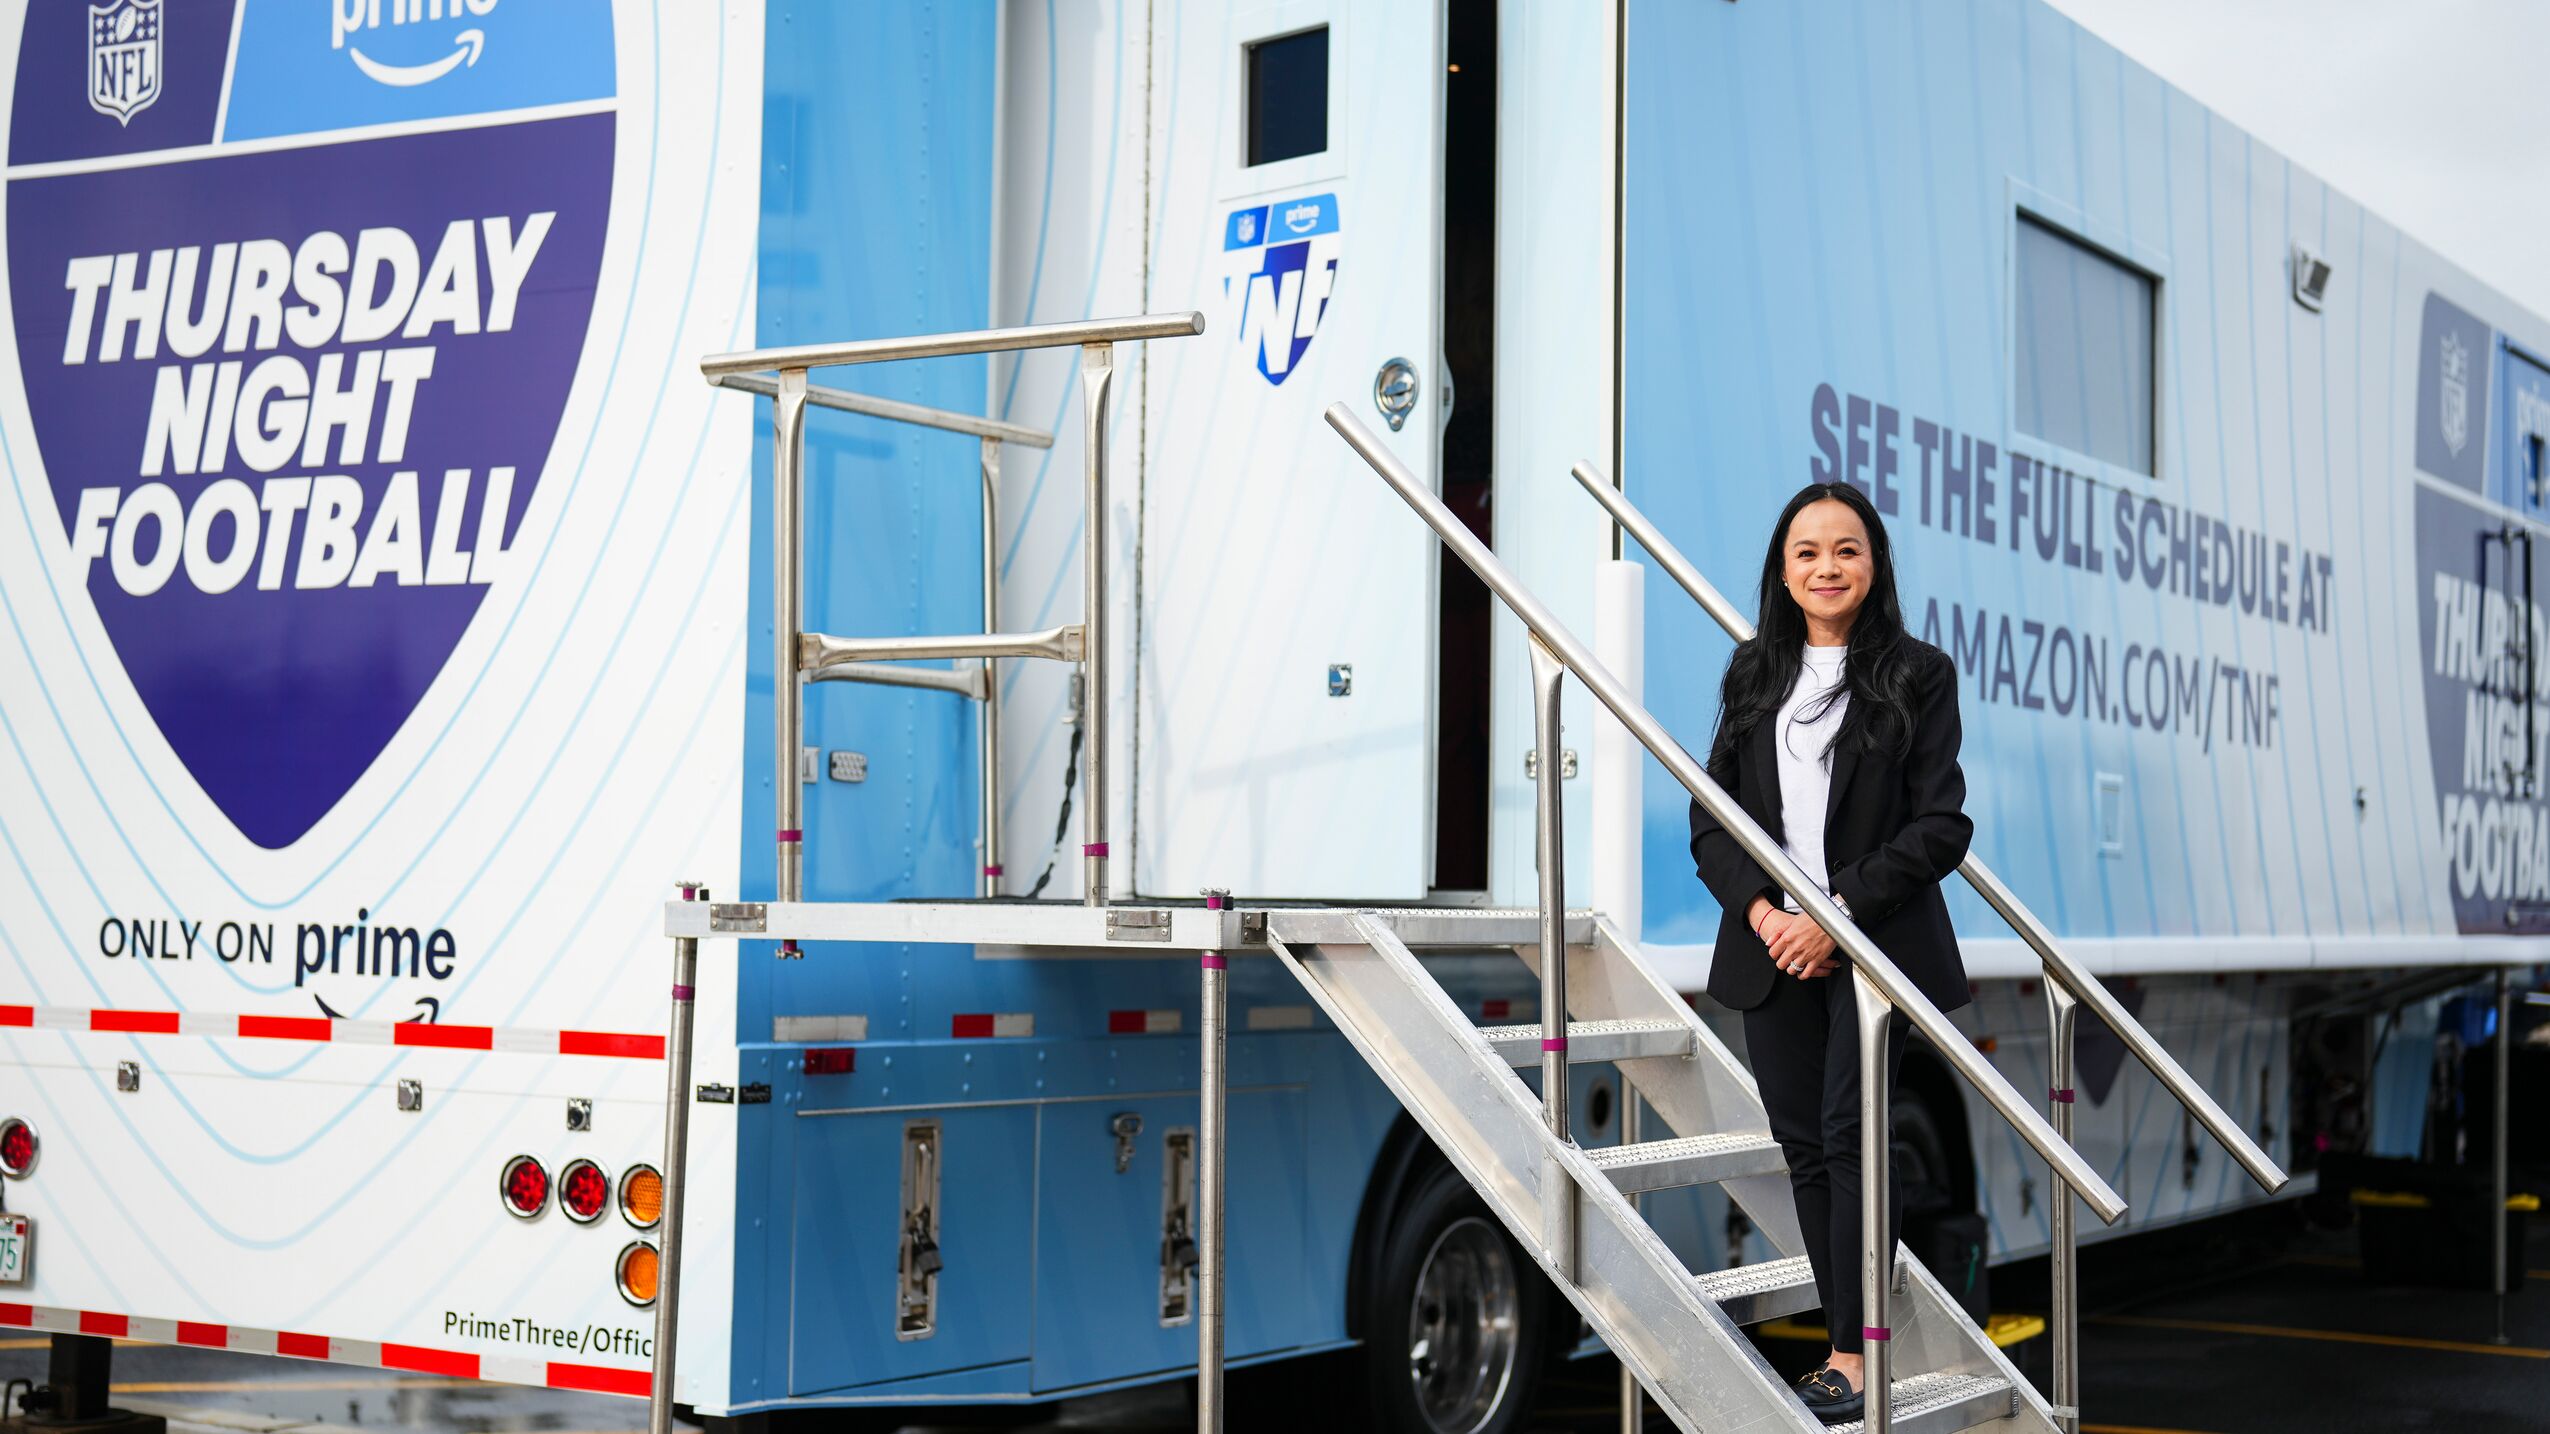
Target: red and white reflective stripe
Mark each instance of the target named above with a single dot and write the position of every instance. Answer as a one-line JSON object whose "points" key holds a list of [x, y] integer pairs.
{"points": [[975, 1026], [421, 1359], [1144, 1023], [1279, 1018], [322, 1029]]}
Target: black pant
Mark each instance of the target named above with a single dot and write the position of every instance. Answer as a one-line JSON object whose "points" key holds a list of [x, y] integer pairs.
{"points": [[1804, 1045]]}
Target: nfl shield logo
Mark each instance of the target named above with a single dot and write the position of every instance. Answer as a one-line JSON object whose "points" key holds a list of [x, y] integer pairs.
{"points": [[2455, 393], [124, 57]]}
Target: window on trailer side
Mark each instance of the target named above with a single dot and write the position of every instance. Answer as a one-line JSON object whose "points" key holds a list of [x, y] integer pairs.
{"points": [[2084, 340], [1288, 96]]}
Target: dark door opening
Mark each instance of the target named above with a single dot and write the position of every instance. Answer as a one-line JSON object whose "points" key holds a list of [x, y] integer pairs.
{"points": [[1469, 438]]}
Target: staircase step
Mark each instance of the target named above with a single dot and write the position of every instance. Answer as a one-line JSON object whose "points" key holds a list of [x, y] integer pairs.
{"points": [[1940, 1403], [1688, 1160], [1752, 1294], [1589, 1041]]}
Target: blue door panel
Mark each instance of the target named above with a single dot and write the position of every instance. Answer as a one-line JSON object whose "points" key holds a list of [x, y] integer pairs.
{"points": [[848, 1193]]}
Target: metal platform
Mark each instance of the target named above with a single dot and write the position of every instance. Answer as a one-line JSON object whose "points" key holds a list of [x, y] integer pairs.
{"points": [[1126, 930]]}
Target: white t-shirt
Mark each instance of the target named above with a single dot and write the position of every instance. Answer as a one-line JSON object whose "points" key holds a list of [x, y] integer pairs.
{"points": [[1806, 776]]}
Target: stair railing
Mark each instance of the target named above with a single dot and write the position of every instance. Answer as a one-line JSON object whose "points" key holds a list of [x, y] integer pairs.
{"points": [[802, 655], [979, 683], [1881, 990], [2068, 987]]}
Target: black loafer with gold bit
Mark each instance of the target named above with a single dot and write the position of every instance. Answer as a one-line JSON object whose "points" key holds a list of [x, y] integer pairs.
{"points": [[1830, 1398]]}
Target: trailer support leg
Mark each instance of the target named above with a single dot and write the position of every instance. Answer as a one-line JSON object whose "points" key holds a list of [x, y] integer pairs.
{"points": [[677, 1139], [2497, 1145], [1212, 1135]]}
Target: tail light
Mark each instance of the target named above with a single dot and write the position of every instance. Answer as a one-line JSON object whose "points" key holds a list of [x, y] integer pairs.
{"points": [[641, 1196], [584, 1192], [17, 1147], [525, 1187], [638, 1271]]}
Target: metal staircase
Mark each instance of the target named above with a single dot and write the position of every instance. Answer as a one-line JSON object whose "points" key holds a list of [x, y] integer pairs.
{"points": [[1679, 1332]]}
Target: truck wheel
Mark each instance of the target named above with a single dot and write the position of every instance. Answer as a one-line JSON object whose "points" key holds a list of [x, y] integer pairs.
{"points": [[1459, 1316]]}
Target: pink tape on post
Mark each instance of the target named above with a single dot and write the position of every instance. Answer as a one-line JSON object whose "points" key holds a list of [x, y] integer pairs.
{"points": [[796, 834], [681, 993], [1213, 961], [2063, 1095], [1553, 1043], [1212, 903], [991, 871], [1095, 848], [1875, 1331]]}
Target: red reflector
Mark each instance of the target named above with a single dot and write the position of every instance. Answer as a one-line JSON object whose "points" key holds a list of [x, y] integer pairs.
{"points": [[203, 1336], [584, 1192], [838, 1060], [525, 1186], [600, 1380], [112, 1326], [301, 1346], [17, 1147], [1127, 1023]]}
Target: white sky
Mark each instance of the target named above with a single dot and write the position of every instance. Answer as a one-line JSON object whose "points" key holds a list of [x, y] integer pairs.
{"points": [[2433, 113]]}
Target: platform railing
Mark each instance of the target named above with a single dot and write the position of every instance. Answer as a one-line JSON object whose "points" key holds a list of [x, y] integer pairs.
{"points": [[801, 656], [1882, 989], [2069, 986], [980, 682]]}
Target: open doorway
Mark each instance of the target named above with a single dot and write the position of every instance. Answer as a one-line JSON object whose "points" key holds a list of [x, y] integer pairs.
{"points": [[1463, 604]]}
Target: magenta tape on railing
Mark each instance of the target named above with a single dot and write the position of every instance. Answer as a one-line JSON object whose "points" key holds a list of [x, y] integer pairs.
{"points": [[2063, 1095], [991, 871], [1875, 1331], [688, 891], [1212, 903], [1213, 961], [792, 834], [1558, 1043], [1095, 848], [681, 993]]}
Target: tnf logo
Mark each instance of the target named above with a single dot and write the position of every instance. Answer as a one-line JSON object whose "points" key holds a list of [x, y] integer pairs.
{"points": [[124, 58], [1279, 268]]}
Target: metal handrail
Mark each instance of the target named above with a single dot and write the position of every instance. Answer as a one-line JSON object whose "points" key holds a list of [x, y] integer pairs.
{"points": [[842, 400], [790, 395], [1079, 332], [2059, 965], [1880, 972], [819, 650]]}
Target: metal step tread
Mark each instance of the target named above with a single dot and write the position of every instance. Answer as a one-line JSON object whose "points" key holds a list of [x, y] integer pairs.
{"points": [[1688, 1160], [1753, 1294], [1590, 1041], [1939, 1403]]}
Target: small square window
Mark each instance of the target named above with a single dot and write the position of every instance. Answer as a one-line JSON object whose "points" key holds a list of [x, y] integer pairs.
{"points": [[2084, 339], [1288, 97]]}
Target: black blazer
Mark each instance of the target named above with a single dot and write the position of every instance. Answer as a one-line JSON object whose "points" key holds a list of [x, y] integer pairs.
{"points": [[1893, 830]]}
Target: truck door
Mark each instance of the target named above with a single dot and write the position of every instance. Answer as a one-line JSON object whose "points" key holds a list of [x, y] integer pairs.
{"points": [[1286, 673]]}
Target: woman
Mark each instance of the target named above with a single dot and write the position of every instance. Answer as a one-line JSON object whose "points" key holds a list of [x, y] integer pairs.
{"points": [[1837, 731]]}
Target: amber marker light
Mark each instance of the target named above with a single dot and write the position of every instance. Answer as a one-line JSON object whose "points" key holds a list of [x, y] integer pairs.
{"points": [[641, 1196], [638, 1270]]}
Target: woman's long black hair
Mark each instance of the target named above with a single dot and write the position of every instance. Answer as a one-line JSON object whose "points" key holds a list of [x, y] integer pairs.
{"points": [[1877, 671]]}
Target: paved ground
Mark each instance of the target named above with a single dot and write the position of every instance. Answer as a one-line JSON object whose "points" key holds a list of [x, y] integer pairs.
{"points": [[2242, 1326]]}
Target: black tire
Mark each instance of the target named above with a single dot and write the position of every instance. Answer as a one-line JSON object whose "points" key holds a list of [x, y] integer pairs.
{"points": [[1457, 1316], [1922, 1175]]}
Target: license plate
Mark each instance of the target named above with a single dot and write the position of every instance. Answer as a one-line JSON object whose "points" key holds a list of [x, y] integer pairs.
{"points": [[17, 1248]]}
